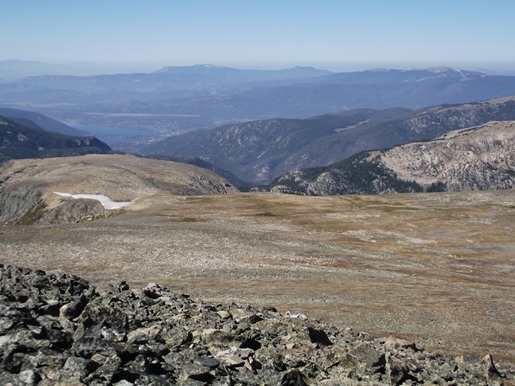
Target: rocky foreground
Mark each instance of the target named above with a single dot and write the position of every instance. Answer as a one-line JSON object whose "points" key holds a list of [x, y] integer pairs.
{"points": [[56, 329]]}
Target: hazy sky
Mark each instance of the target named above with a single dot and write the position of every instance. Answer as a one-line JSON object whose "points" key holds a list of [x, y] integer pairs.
{"points": [[331, 34]]}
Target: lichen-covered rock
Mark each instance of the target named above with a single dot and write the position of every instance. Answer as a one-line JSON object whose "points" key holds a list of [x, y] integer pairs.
{"points": [[74, 211], [57, 330]]}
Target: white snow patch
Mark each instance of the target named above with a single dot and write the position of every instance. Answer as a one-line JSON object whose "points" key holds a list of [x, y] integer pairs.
{"points": [[104, 200]]}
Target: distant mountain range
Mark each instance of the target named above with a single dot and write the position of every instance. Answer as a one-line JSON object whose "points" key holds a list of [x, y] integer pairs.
{"points": [[179, 99], [12, 70], [376, 89], [262, 150], [477, 158], [167, 84], [22, 138]]}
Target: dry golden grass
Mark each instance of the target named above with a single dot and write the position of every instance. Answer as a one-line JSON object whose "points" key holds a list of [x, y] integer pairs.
{"points": [[436, 268]]}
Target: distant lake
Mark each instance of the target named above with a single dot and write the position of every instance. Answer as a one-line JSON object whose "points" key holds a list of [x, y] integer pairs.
{"points": [[111, 135]]}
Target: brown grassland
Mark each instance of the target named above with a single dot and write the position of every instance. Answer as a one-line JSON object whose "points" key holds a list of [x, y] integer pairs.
{"points": [[436, 268]]}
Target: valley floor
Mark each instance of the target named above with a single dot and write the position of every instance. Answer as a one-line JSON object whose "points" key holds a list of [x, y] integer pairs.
{"points": [[435, 268]]}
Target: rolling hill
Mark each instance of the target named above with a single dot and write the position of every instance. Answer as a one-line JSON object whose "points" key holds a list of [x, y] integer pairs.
{"points": [[27, 187]]}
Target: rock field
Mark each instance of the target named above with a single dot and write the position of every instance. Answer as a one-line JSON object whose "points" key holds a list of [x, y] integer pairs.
{"points": [[56, 329]]}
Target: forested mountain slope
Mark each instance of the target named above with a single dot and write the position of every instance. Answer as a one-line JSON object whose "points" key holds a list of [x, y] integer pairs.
{"points": [[259, 151], [477, 158]]}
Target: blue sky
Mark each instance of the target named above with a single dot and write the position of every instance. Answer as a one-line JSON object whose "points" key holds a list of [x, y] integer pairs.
{"points": [[331, 34]]}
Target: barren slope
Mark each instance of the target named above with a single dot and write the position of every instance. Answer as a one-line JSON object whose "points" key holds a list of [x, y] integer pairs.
{"points": [[436, 268], [31, 183]]}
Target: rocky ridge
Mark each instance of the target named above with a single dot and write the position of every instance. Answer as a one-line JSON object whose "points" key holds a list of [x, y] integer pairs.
{"points": [[477, 158], [22, 138], [56, 329]]}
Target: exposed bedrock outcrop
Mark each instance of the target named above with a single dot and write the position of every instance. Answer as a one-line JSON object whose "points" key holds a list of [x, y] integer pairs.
{"points": [[56, 329], [23, 204]]}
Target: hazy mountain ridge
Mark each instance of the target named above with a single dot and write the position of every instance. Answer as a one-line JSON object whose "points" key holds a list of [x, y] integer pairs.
{"points": [[255, 150], [235, 76], [384, 75], [205, 96], [167, 83], [262, 150], [22, 138], [11, 70], [478, 158], [41, 120], [302, 100]]}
